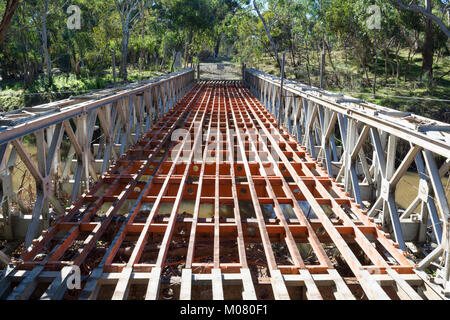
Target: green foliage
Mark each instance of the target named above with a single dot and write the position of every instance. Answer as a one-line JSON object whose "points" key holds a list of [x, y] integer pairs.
{"points": [[11, 99], [302, 28], [81, 60]]}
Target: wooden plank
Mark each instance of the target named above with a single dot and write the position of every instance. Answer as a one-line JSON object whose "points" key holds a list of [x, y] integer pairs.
{"points": [[186, 284], [342, 291], [122, 287], [312, 292], [403, 285], [153, 284], [248, 292], [217, 288], [278, 286]]}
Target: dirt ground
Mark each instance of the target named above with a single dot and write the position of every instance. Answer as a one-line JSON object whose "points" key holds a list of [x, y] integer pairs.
{"points": [[222, 70]]}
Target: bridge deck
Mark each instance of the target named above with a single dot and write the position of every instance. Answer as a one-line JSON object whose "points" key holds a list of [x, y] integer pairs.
{"points": [[252, 216]]}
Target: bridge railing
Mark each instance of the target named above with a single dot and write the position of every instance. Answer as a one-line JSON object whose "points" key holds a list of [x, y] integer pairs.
{"points": [[371, 150], [65, 146]]}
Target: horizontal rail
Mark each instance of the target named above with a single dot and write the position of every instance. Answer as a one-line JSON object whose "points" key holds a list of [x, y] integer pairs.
{"points": [[27, 120]]}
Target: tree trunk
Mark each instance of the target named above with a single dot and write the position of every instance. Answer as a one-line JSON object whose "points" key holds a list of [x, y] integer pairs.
{"points": [[75, 64], [386, 58], [322, 66], [125, 38], [367, 74], [46, 55], [308, 69], [217, 46], [274, 47], [318, 61], [438, 56], [185, 54], [408, 62], [375, 72], [397, 60], [428, 47], [27, 73], [102, 58], [113, 58], [8, 14], [292, 49], [24, 64], [336, 77], [141, 49], [173, 61], [163, 59]]}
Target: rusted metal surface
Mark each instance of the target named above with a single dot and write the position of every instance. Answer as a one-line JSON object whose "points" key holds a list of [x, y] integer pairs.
{"points": [[218, 197]]}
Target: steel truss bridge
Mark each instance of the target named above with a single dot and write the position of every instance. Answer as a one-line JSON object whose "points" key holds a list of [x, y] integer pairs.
{"points": [[248, 189]]}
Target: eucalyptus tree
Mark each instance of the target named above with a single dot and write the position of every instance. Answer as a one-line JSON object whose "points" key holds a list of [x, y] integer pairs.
{"points": [[8, 13], [45, 53], [429, 45], [426, 11], [223, 8], [131, 12], [267, 28], [191, 20], [246, 36]]}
